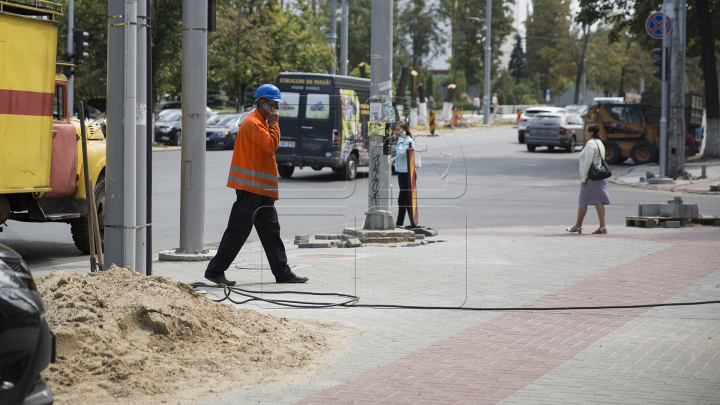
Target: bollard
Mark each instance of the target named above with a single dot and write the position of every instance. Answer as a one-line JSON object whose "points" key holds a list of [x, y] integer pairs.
{"points": [[432, 123], [462, 111]]}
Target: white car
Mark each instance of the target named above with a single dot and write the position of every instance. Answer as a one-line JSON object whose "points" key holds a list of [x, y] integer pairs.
{"points": [[531, 112]]}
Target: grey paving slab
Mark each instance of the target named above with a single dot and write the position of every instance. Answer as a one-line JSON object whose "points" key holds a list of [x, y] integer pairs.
{"points": [[668, 355]]}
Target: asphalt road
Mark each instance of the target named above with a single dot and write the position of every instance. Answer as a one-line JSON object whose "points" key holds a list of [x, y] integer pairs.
{"points": [[473, 178]]}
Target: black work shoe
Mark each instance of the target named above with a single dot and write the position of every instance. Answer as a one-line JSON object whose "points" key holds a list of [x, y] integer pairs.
{"points": [[221, 280], [292, 278]]}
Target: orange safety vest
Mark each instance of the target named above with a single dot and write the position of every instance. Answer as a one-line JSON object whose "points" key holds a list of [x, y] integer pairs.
{"points": [[253, 165]]}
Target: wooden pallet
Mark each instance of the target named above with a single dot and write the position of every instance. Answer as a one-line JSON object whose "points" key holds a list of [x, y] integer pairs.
{"points": [[652, 222]]}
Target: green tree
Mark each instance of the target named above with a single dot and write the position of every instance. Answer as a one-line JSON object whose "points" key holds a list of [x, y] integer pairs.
{"points": [[418, 24], [257, 40], [703, 41], [468, 36], [517, 60], [549, 33]]}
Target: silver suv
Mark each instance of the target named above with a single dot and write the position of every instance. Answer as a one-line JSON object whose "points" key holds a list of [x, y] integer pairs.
{"points": [[529, 114], [553, 129]]}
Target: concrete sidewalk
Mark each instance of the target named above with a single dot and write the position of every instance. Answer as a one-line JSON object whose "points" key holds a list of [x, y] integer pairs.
{"points": [[406, 356], [636, 176]]}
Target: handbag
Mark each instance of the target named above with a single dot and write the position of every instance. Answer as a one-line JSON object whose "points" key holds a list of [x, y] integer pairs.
{"points": [[599, 174]]}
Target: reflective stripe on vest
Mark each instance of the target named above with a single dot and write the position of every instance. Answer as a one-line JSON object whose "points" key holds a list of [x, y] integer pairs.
{"points": [[250, 183], [253, 173]]}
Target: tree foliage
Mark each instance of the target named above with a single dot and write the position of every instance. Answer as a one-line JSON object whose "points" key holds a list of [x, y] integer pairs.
{"points": [[517, 60], [418, 25], [468, 37]]}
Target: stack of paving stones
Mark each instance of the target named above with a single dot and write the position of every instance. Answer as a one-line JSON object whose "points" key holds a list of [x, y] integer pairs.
{"points": [[326, 241]]}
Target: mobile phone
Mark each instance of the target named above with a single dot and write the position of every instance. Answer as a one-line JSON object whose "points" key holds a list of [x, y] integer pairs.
{"points": [[267, 108]]}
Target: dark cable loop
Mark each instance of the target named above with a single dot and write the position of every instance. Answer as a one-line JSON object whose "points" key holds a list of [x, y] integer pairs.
{"points": [[352, 302]]}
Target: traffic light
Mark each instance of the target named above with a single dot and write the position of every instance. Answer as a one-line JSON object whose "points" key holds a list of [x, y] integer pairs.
{"points": [[662, 53], [79, 37]]}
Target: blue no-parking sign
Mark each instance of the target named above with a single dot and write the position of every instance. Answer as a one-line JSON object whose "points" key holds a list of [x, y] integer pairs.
{"points": [[653, 25]]}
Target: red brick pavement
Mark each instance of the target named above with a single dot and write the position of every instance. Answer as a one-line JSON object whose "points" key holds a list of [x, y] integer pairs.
{"points": [[489, 362]]}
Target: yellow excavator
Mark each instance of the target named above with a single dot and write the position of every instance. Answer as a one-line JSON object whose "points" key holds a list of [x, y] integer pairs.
{"points": [[626, 132]]}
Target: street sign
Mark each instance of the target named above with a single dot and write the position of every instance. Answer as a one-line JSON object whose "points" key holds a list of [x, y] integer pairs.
{"points": [[653, 25]]}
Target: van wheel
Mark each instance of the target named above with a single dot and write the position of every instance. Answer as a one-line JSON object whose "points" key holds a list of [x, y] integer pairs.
{"points": [[643, 152], [286, 171], [79, 226], [351, 167], [612, 152]]}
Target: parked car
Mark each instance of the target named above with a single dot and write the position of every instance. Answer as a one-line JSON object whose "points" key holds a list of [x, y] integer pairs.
{"points": [[578, 109], [168, 127], [554, 129], [177, 105], [222, 129], [27, 346], [529, 114]]}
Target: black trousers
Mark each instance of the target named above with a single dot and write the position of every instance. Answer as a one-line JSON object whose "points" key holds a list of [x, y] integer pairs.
{"points": [[250, 210], [404, 200]]}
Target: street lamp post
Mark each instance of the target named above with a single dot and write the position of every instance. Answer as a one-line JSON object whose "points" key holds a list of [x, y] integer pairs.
{"points": [[486, 80]]}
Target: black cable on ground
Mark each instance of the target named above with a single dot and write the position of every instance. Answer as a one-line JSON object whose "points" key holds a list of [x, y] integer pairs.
{"points": [[351, 301]]}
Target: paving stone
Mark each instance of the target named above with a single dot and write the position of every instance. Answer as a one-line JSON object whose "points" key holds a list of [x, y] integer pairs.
{"points": [[302, 237]]}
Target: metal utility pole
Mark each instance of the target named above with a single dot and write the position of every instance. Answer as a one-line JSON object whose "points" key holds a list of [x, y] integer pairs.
{"points": [[486, 80], [194, 101], [333, 36], [663, 158], [378, 215], [141, 139], [676, 132], [120, 184], [344, 50], [70, 50]]}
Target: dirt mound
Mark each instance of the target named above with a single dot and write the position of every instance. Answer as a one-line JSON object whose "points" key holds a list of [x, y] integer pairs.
{"points": [[127, 338]]}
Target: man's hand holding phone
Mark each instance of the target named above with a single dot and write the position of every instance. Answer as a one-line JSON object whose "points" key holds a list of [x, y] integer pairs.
{"points": [[272, 114]]}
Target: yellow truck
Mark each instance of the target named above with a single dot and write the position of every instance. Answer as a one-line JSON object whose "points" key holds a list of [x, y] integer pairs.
{"points": [[41, 167]]}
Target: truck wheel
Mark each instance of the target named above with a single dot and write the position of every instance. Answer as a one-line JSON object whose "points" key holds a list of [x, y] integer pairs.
{"points": [[643, 152], [531, 148], [612, 152], [351, 167], [178, 139], [286, 171], [79, 226]]}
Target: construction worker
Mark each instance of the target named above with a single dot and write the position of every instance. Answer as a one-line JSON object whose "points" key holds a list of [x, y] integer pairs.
{"points": [[253, 175]]}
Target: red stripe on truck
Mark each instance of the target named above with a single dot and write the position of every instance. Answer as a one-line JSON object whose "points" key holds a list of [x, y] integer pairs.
{"points": [[18, 102]]}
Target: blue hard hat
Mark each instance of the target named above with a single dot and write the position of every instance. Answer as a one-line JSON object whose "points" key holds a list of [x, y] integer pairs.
{"points": [[268, 91]]}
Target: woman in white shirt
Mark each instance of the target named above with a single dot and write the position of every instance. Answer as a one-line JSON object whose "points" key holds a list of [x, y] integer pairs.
{"points": [[592, 192], [404, 142]]}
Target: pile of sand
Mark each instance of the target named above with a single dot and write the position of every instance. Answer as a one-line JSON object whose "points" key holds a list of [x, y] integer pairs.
{"points": [[127, 338]]}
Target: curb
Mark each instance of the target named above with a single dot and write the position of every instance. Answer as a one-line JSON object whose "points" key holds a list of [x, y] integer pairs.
{"points": [[616, 180]]}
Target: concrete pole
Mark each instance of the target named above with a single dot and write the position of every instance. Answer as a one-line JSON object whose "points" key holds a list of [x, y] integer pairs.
{"points": [[141, 144], [70, 50], [194, 101], [676, 138], [114, 177], [333, 36], [381, 51], [486, 80], [344, 50], [642, 85], [121, 110], [666, 39], [150, 138], [130, 132]]}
